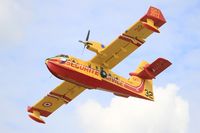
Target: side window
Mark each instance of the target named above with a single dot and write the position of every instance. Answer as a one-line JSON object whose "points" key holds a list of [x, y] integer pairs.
{"points": [[64, 58]]}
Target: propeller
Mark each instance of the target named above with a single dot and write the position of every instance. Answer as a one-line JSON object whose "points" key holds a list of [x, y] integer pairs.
{"points": [[86, 43]]}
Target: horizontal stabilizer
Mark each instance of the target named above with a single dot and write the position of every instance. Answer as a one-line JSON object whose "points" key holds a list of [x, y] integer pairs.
{"points": [[152, 70]]}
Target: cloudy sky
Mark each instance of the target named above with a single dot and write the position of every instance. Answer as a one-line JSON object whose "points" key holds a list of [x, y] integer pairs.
{"points": [[33, 30]]}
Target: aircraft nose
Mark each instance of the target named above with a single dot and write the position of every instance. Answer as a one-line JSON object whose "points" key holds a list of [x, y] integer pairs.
{"points": [[46, 61]]}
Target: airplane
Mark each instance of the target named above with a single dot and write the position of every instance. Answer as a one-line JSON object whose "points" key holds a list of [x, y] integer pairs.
{"points": [[79, 75]]}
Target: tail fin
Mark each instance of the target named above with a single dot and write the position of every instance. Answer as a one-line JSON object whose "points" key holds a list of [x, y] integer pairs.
{"points": [[147, 72], [148, 86]]}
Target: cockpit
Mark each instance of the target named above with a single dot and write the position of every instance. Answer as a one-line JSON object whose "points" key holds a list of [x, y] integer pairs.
{"points": [[62, 55], [63, 58]]}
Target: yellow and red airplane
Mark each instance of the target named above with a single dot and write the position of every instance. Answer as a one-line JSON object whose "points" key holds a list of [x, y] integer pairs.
{"points": [[96, 73]]}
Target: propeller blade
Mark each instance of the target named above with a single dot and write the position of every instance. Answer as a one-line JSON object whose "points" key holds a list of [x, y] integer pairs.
{"points": [[88, 35]]}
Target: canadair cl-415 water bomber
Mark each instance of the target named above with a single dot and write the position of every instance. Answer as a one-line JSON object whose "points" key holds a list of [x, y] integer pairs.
{"points": [[96, 73]]}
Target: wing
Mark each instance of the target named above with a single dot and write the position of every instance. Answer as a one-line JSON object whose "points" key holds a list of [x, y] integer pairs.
{"points": [[130, 40], [62, 94]]}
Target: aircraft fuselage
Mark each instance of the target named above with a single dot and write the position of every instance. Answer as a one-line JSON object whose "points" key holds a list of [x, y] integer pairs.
{"points": [[93, 76]]}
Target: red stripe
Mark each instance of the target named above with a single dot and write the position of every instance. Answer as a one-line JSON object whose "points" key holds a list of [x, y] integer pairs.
{"points": [[49, 95], [133, 38], [129, 40], [42, 112], [61, 96], [67, 98], [140, 41], [56, 94], [138, 89]]}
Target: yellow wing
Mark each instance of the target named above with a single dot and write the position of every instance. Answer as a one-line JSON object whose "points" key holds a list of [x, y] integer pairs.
{"points": [[62, 94], [130, 40]]}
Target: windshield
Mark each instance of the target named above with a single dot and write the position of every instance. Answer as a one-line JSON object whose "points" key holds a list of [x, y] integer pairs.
{"points": [[62, 55]]}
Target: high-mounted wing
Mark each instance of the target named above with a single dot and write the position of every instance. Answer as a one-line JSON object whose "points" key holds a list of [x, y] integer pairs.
{"points": [[62, 94], [130, 40]]}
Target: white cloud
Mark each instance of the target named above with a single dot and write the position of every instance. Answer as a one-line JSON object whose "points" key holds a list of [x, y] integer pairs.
{"points": [[168, 114]]}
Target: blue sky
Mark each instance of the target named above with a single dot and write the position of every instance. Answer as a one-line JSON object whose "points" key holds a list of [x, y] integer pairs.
{"points": [[31, 31]]}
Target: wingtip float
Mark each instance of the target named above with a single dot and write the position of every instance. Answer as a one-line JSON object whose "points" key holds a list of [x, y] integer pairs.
{"points": [[97, 73], [153, 20], [35, 115]]}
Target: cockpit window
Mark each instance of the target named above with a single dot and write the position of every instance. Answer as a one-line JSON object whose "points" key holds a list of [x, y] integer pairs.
{"points": [[63, 58], [62, 55]]}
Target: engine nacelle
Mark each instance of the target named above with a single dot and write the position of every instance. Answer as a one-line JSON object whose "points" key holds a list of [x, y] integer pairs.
{"points": [[95, 46]]}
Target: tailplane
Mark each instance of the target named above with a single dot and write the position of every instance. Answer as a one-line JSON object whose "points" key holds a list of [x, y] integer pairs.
{"points": [[150, 71]]}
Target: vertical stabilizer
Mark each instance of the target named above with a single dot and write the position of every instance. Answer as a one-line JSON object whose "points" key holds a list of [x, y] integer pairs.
{"points": [[147, 72], [148, 85]]}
